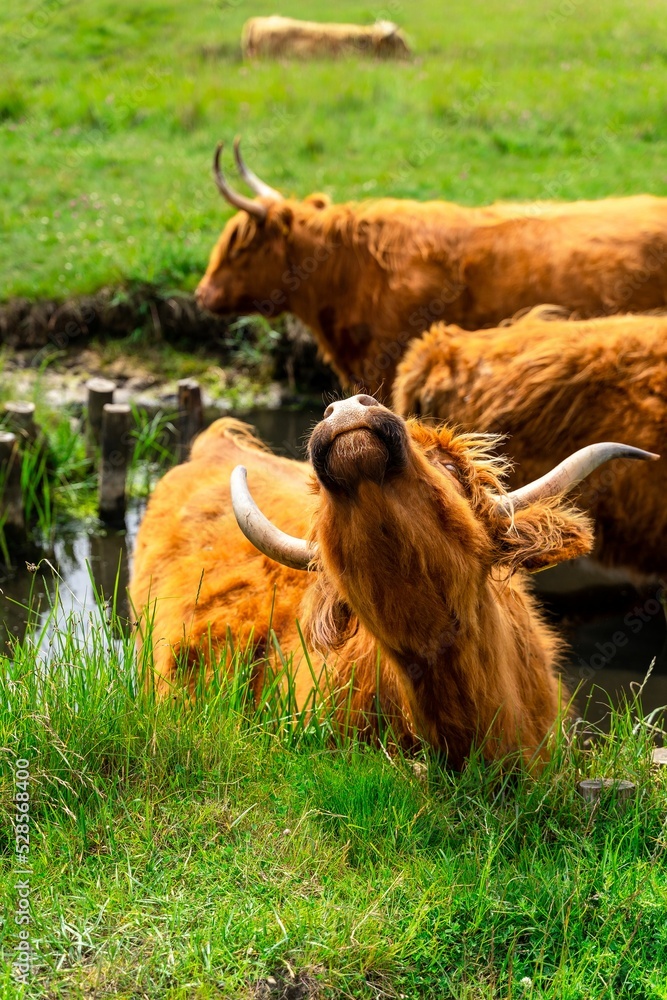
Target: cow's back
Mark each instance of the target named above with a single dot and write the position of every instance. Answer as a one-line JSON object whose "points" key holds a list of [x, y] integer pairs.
{"points": [[552, 387], [195, 575]]}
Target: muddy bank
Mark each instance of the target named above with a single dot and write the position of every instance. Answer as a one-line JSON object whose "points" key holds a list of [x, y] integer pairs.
{"points": [[282, 352]]}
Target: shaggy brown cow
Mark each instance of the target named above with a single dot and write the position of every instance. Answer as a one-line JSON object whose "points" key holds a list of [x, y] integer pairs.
{"points": [[418, 590], [551, 387], [368, 277], [278, 37]]}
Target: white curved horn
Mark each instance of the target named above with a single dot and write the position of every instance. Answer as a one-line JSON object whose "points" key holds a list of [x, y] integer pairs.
{"points": [[296, 553], [254, 208], [570, 472], [254, 182]]}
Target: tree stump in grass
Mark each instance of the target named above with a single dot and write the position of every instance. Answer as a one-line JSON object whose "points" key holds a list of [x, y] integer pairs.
{"points": [[20, 419], [659, 756], [594, 791], [100, 392], [11, 499], [190, 415], [115, 457]]}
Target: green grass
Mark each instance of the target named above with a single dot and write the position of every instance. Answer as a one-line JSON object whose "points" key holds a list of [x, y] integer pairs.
{"points": [[109, 114], [191, 850]]}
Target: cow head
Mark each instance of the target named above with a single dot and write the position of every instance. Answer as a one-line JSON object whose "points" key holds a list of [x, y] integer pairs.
{"points": [[413, 524], [249, 271]]}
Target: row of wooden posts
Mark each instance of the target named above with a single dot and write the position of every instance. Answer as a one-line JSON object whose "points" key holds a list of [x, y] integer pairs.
{"points": [[108, 430]]}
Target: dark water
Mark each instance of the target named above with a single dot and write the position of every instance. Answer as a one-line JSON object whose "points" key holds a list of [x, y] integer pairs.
{"points": [[614, 630], [286, 431]]}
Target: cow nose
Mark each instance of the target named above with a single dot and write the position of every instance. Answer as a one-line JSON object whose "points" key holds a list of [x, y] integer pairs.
{"points": [[349, 405]]}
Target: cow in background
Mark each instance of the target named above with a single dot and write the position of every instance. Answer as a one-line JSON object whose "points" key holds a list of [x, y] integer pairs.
{"points": [[551, 385], [368, 277], [284, 37], [416, 597]]}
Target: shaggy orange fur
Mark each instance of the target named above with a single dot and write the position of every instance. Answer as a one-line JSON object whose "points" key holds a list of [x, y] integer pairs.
{"points": [[367, 278], [553, 386], [418, 571]]}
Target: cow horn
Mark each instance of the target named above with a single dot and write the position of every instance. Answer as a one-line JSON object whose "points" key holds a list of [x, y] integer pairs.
{"points": [[570, 472], [248, 205], [274, 543], [259, 186]]}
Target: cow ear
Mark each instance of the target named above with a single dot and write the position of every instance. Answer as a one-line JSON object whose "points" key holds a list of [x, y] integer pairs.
{"points": [[318, 200], [542, 535], [282, 216]]}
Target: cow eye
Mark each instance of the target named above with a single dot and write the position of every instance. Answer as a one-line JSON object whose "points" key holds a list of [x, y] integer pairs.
{"points": [[455, 471]]}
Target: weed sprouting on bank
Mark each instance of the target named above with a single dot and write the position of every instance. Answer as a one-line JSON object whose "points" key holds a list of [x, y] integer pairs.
{"points": [[199, 845], [153, 449]]}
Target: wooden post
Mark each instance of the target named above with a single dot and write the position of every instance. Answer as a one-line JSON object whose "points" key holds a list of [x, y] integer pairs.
{"points": [[21, 420], [659, 755], [595, 790], [100, 392], [190, 415], [11, 508], [115, 460]]}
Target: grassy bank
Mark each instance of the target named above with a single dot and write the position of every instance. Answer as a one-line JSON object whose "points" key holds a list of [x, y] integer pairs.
{"points": [[109, 114], [208, 850]]}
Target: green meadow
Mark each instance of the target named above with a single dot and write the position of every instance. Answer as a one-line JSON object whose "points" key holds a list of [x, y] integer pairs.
{"points": [[220, 849], [109, 114], [217, 848]]}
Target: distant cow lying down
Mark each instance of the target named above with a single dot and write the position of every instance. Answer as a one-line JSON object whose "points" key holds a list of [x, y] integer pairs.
{"points": [[367, 277], [552, 386], [416, 554], [278, 37]]}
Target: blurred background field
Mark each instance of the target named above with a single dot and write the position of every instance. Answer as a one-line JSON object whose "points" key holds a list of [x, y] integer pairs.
{"points": [[109, 114]]}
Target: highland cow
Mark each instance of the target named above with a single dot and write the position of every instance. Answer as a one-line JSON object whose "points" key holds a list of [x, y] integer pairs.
{"points": [[284, 37], [416, 598], [368, 277], [551, 385]]}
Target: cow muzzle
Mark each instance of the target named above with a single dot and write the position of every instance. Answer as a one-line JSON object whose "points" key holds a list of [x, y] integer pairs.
{"points": [[358, 440], [204, 294]]}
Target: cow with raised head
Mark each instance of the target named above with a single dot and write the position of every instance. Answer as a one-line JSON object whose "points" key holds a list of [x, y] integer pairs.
{"points": [[416, 598], [550, 385], [368, 277], [278, 37]]}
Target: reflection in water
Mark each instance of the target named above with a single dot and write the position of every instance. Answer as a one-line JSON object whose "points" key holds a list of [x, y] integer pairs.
{"points": [[286, 431], [19, 591], [614, 630], [68, 578], [614, 633]]}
